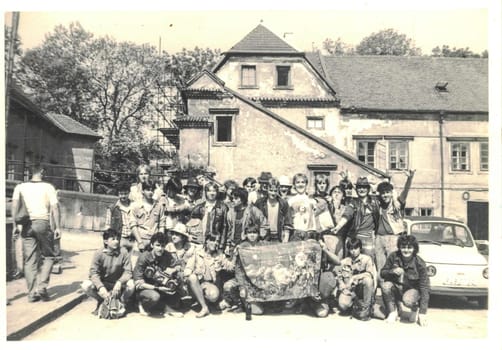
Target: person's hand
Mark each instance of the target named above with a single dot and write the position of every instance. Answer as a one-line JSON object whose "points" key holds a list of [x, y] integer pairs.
{"points": [[103, 293], [116, 289], [57, 233], [409, 172], [422, 320], [16, 231], [322, 244], [165, 290], [398, 271]]}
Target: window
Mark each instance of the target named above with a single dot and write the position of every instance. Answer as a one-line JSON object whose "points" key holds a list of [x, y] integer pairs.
{"points": [[248, 76], [483, 156], [283, 76], [315, 123], [398, 155], [409, 211], [366, 152], [425, 211], [459, 156], [224, 129]]}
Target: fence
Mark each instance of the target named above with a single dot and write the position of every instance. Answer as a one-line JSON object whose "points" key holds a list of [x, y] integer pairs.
{"points": [[89, 180]]}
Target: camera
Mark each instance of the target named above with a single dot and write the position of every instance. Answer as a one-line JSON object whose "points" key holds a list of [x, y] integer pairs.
{"points": [[162, 279]]}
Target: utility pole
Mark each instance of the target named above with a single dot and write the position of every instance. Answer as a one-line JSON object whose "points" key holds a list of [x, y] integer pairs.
{"points": [[10, 63]]}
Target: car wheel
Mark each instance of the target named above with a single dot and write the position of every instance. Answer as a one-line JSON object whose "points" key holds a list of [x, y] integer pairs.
{"points": [[482, 302]]}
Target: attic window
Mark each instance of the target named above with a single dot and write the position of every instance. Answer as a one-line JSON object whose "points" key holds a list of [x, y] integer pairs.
{"points": [[441, 86]]}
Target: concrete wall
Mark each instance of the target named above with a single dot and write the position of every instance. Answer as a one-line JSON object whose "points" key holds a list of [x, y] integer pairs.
{"points": [[84, 211]]}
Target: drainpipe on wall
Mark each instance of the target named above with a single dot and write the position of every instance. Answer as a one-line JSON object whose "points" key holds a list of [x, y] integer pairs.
{"points": [[441, 157]]}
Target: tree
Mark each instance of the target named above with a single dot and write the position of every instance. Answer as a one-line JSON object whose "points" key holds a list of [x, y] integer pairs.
{"points": [[387, 42], [337, 48], [445, 51], [112, 87]]}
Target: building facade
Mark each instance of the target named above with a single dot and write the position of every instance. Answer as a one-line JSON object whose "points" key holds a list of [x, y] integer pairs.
{"points": [[267, 107]]}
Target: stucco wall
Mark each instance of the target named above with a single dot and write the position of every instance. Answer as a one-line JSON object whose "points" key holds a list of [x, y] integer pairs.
{"points": [[262, 144], [303, 79]]}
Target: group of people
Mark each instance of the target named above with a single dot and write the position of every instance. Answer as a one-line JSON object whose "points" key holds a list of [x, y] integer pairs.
{"points": [[188, 238]]}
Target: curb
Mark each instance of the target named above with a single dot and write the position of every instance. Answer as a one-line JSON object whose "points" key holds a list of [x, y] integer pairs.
{"points": [[44, 320]]}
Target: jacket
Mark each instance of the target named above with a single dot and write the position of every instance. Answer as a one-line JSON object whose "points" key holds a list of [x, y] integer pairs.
{"points": [[285, 221], [217, 226], [252, 215], [355, 211], [415, 276]]}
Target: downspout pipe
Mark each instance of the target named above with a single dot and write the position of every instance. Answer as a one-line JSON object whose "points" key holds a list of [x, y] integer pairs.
{"points": [[441, 157]]}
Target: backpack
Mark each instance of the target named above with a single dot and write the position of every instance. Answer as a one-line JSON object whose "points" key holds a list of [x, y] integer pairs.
{"points": [[111, 308]]}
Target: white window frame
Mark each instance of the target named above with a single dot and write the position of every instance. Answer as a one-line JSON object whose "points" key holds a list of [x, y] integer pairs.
{"points": [[366, 155], [315, 122], [395, 156], [457, 160], [484, 164]]}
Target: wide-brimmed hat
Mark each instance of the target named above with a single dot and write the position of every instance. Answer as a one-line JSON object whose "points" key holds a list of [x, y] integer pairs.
{"points": [[265, 176], [192, 182], [363, 182], [181, 229]]}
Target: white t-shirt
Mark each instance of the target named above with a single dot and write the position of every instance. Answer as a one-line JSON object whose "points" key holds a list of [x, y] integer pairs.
{"points": [[38, 197]]}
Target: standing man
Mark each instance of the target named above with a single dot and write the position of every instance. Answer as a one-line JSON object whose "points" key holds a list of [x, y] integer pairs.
{"points": [[363, 212], [118, 216], [276, 210], [41, 203], [147, 217], [390, 224]]}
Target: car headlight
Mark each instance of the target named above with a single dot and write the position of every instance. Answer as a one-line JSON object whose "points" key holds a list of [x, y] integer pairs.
{"points": [[431, 270], [485, 272]]}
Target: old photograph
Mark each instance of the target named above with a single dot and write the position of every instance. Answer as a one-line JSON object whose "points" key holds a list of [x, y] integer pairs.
{"points": [[223, 176]]}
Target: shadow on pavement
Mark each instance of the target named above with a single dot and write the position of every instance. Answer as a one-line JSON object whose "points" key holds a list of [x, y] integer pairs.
{"points": [[62, 290]]}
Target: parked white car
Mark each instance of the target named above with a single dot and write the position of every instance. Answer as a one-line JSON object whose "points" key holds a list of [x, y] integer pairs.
{"points": [[454, 264]]}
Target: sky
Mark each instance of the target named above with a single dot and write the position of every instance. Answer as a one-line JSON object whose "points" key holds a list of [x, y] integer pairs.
{"points": [[459, 24]]}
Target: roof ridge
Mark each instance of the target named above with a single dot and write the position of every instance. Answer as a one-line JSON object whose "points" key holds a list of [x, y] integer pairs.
{"points": [[261, 39]]}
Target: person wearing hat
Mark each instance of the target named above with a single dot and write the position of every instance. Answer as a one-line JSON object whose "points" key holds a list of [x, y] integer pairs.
{"points": [[263, 179], [391, 224], [181, 247], [192, 192], [285, 187], [364, 213], [203, 272]]}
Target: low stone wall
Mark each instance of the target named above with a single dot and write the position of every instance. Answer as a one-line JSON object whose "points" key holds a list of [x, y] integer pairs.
{"points": [[84, 211]]}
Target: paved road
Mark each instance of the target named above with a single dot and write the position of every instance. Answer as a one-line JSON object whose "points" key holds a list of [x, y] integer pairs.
{"points": [[449, 318]]}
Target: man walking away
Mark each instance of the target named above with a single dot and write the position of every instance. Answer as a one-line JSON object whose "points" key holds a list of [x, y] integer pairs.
{"points": [[38, 239]]}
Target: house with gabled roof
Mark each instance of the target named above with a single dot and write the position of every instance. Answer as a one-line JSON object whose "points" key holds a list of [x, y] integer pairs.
{"points": [[63, 144], [267, 107]]}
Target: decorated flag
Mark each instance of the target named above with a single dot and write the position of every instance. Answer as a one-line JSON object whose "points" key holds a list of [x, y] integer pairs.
{"points": [[279, 271]]}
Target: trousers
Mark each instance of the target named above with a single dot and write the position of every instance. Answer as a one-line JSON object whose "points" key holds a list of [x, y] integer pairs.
{"points": [[38, 255]]}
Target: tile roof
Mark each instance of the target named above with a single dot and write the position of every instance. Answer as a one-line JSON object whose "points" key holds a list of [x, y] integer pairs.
{"points": [[71, 126], [408, 83], [262, 40]]}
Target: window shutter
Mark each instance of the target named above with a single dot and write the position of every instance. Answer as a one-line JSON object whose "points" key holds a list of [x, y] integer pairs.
{"points": [[381, 155]]}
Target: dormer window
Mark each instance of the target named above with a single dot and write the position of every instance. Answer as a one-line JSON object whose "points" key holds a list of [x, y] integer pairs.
{"points": [[248, 76], [441, 86], [283, 77]]}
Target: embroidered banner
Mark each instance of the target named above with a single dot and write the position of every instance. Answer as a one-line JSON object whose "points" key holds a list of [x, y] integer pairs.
{"points": [[280, 271]]}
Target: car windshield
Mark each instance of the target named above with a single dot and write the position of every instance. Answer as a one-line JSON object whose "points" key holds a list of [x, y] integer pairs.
{"points": [[442, 233]]}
